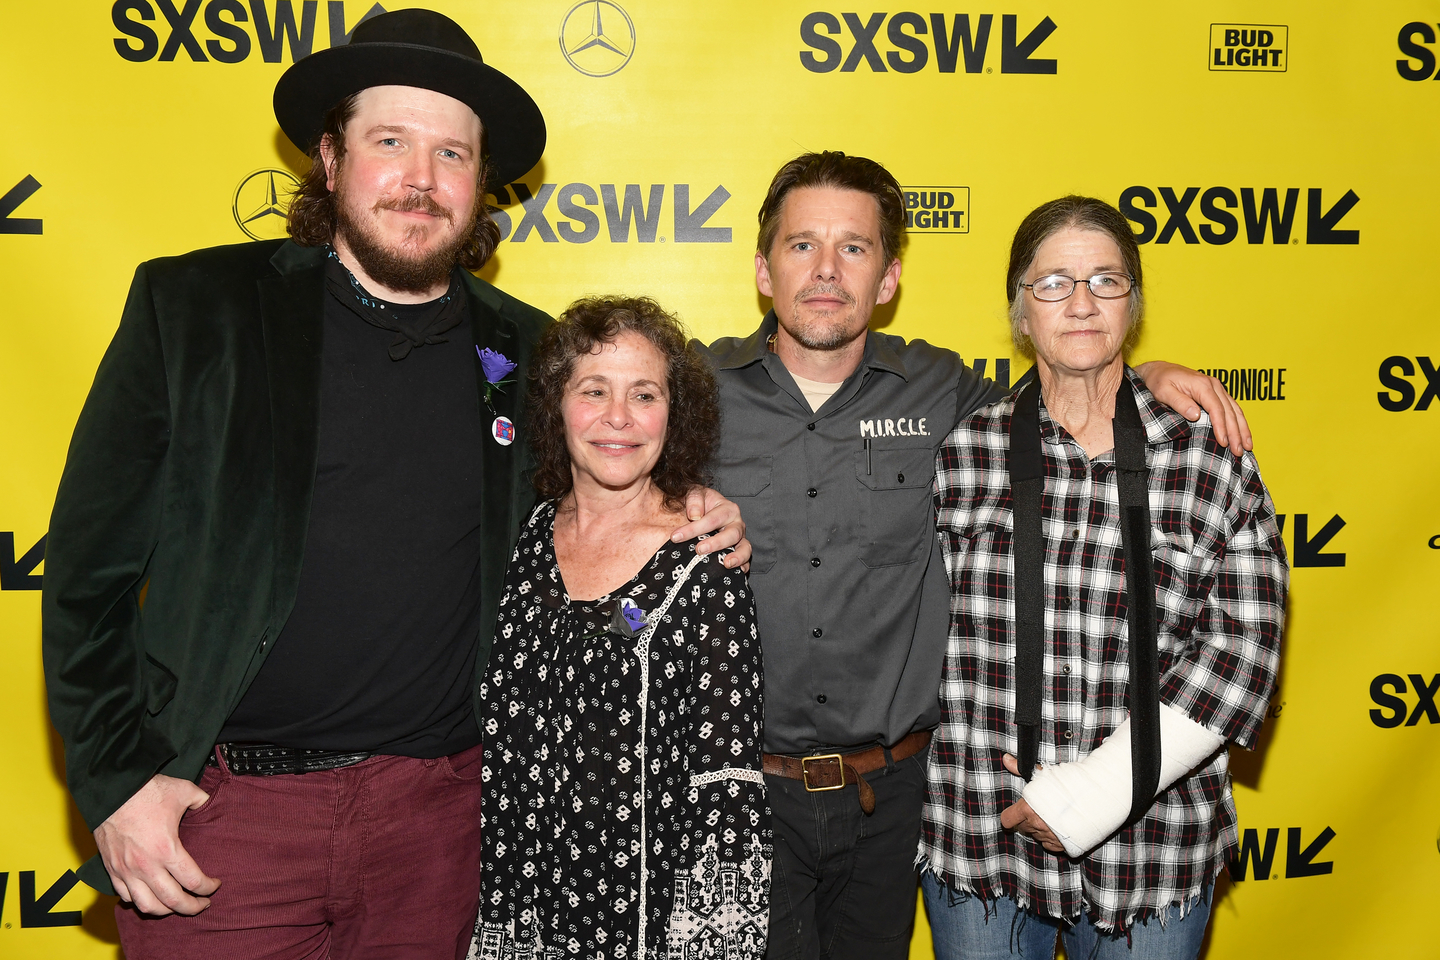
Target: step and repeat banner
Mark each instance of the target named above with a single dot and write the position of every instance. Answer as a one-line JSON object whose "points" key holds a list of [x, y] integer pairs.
{"points": [[1277, 161]]}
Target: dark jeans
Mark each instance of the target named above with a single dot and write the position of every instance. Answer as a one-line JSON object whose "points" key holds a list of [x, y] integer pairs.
{"points": [[843, 883], [377, 860]]}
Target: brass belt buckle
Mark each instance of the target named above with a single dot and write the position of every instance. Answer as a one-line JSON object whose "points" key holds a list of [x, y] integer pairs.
{"points": [[805, 771]]}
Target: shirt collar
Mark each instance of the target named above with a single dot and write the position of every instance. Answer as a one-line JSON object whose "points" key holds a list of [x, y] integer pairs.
{"points": [[879, 354]]}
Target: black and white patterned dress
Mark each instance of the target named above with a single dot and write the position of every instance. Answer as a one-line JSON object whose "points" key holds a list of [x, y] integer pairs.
{"points": [[623, 799]]}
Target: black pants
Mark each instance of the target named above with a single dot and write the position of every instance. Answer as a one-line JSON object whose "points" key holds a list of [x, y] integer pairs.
{"points": [[843, 883]]}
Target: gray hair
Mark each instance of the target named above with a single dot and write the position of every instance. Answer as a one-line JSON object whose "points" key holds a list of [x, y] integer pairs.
{"points": [[1048, 219]]}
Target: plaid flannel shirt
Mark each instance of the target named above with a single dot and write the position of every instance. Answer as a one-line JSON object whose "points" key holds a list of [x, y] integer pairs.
{"points": [[1221, 577]]}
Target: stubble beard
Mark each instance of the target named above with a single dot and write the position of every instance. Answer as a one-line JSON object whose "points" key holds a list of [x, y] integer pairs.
{"points": [[397, 267], [829, 334]]}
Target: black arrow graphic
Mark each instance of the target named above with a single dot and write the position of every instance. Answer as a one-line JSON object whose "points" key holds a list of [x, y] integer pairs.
{"points": [[1307, 549], [690, 225], [15, 574], [17, 195], [4, 882], [36, 912], [1015, 57], [1298, 863], [1320, 228]]}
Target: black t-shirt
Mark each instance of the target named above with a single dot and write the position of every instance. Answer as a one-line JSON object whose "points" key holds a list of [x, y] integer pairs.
{"points": [[379, 651]]}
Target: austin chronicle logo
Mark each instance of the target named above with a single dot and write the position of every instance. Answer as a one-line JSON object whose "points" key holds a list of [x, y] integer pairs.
{"points": [[597, 37], [261, 203]]}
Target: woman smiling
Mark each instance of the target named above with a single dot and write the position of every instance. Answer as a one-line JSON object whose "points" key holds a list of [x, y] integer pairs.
{"points": [[624, 808]]}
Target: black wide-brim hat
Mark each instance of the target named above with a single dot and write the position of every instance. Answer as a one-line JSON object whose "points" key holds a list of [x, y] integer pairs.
{"points": [[414, 48]]}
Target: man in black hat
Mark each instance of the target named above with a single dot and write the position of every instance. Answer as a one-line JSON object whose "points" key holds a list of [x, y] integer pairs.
{"points": [[277, 549]]}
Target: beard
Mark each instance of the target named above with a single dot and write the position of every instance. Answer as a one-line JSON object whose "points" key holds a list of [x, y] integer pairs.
{"points": [[400, 267], [826, 334]]}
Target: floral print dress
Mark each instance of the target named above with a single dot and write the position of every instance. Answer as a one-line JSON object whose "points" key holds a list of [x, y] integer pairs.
{"points": [[624, 811]]}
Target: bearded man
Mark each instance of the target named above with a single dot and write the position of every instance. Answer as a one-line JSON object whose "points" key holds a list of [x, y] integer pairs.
{"points": [[277, 550]]}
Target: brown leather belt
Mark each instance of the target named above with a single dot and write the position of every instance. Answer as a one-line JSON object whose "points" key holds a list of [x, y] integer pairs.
{"points": [[832, 771]]}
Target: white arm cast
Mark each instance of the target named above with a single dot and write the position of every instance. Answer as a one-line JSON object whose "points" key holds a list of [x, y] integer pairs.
{"points": [[1085, 801]]}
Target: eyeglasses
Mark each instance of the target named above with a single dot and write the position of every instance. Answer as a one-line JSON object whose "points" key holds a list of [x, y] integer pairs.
{"points": [[1106, 286]]}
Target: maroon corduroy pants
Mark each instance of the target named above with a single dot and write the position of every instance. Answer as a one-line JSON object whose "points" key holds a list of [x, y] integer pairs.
{"points": [[376, 861]]}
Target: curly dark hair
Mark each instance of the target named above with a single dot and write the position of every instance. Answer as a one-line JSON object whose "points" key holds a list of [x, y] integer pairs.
{"points": [[692, 429], [834, 169], [311, 220]]}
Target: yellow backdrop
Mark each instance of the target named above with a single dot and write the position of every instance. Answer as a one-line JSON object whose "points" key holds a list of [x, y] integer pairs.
{"points": [[1277, 160]]}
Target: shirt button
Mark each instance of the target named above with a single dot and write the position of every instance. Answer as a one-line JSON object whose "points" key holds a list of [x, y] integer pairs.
{"points": [[820, 699], [817, 632], [812, 492], [814, 561], [899, 478], [809, 426], [1064, 601], [1069, 733], [1065, 669], [1075, 534]]}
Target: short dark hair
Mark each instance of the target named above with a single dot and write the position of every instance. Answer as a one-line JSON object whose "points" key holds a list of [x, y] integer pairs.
{"points": [[1048, 219], [311, 220], [834, 169], [692, 429]]}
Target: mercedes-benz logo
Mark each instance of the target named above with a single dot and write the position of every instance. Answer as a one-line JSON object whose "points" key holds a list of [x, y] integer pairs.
{"points": [[597, 37], [261, 203]]}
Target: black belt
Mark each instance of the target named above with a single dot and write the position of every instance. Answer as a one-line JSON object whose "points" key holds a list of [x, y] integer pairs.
{"points": [[267, 759]]}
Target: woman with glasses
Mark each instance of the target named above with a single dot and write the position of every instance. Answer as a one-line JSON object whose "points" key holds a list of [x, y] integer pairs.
{"points": [[1117, 594]]}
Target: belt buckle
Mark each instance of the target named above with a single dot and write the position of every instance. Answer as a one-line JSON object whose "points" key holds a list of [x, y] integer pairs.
{"points": [[805, 772]]}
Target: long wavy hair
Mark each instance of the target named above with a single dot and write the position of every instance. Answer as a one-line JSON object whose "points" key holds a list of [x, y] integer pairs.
{"points": [[311, 220], [692, 429]]}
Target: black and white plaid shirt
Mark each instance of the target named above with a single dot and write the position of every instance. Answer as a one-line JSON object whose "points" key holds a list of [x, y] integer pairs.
{"points": [[1221, 577]]}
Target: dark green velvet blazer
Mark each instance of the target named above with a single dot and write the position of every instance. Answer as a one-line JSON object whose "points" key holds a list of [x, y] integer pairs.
{"points": [[187, 493]]}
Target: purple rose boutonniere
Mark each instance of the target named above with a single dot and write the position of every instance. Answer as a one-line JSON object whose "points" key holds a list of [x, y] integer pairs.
{"points": [[626, 620], [633, 615], [495, 366]]}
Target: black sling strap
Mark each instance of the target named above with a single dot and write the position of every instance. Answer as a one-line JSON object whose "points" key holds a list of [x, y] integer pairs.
{"points": [[1027, 485]]}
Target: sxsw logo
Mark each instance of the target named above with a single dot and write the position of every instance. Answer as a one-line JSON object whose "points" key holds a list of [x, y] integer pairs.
{"points": [[1252, 383], [627, 209], [1393, 708], [17, 572], [915, 42], [1415, 49], [1307, 549], [274, 22], [1257, 860], [937, 209], [1399, 392], [12, 199], [39, 911], [1261, 210], [1249, 47]]}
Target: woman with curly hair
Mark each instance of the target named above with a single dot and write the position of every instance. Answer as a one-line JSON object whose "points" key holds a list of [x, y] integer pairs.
{"points": [[624, 810]]}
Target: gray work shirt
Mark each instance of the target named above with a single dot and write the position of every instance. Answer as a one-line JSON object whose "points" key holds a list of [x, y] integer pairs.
{"points": [[849, 585]]}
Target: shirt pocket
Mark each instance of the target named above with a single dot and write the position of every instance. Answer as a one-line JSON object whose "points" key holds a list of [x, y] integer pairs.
{"points": [[748, 481], [897, 517]]}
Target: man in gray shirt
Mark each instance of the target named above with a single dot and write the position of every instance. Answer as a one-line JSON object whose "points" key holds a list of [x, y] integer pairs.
{"points": [[828, 447]]}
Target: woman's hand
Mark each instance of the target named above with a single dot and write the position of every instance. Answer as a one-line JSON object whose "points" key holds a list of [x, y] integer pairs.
{"points": [[1185, 391], [1022, 819], [713, 514]]}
